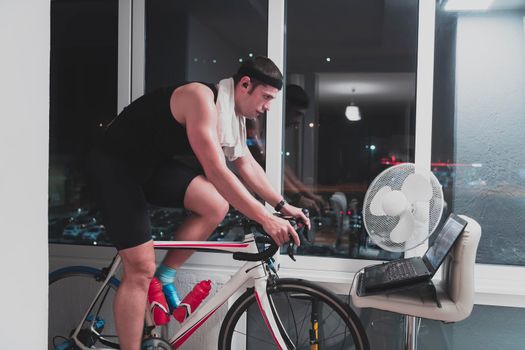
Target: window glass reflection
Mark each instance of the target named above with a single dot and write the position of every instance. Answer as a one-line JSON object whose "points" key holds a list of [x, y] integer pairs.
{"points": [[350, 112], [202, 41], [83, 99], [479, 105], [185, 41]]}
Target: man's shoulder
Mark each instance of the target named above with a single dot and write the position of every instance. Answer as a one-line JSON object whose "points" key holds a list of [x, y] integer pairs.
{"points": [[193, 102], [192, 95], [196, 90]]}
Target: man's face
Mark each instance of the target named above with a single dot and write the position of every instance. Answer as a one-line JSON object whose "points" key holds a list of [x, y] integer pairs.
{"points": [[294, 115], [256, 101]]}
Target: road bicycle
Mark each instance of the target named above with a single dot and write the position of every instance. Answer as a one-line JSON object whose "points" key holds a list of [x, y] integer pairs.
{"points": [[272, 313]]}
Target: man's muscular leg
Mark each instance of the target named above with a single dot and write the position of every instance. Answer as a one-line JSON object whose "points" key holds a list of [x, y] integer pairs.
{"points": [[208, 209], [130, 300]]}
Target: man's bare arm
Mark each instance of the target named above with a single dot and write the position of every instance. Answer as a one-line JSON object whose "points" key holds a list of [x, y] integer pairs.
{"points": [[200, 117], [255, 177]]}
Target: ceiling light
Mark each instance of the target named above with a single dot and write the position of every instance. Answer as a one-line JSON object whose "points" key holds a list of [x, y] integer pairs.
{"points": [[468, 5], [352, 113]]}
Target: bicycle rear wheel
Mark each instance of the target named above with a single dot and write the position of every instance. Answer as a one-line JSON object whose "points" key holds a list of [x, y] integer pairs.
{"points": [[312, 317], [71, 290]]}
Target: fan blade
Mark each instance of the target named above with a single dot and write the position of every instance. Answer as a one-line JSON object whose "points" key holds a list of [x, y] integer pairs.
{"points": [[394, 203], [416, 188], [376, 205], [404, 229], [421, 211]]}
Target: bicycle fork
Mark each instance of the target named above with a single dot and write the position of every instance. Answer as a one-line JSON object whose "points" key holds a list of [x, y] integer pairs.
{"points": [[270, 315]]}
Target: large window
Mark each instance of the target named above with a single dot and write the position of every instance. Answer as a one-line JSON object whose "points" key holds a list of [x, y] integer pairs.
{"points": [[184, 41], [83, 99], [343, 56], [479, 118], [202, 41]]}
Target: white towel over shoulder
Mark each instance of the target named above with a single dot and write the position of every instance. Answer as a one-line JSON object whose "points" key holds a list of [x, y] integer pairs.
{"points": [[231, 128]]}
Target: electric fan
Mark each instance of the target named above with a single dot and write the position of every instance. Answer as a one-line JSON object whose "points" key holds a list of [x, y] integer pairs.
{"points": [[402, 208]]}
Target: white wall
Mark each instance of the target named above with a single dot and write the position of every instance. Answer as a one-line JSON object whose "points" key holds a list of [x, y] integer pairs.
{"points": [[24, 111]]}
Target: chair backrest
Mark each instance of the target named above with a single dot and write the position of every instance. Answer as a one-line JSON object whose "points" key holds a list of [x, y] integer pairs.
{"points": [[459, 269]]}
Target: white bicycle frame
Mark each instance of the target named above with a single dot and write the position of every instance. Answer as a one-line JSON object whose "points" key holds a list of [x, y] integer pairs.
{"points": [[251, 274]]}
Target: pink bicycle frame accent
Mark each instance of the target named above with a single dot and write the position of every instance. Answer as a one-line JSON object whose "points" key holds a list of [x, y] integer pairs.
{"points": [[251, 274], [264, 306], [203, 245]]}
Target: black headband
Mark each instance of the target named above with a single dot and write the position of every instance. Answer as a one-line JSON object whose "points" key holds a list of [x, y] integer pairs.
{"points": [[263, 78]]}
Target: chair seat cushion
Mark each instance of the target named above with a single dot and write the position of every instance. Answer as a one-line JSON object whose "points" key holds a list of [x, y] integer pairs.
{"points": [[416, 302]]}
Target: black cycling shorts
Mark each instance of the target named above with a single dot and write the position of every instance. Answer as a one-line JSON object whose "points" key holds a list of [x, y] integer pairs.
{"points": [[123, 198]]}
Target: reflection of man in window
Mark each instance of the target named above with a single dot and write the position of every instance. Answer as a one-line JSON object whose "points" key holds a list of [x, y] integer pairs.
{"points": [[296, 192]]}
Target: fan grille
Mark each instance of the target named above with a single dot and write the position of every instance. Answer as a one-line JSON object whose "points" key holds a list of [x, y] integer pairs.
{"points": [[379, 227]]}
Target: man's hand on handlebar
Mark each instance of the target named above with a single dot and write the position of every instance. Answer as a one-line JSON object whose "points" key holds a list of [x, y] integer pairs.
{"points": [[297, 213], [280, 230]]}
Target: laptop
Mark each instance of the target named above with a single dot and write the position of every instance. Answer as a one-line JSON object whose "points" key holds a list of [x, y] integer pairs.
{"points": [[405, 272]]}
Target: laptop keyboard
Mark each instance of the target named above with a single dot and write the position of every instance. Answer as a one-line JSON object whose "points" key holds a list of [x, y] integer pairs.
{"points": [[400, 270]]}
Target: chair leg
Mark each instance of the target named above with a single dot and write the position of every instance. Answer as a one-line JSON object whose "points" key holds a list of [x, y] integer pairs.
{"points": [[410, 332]]}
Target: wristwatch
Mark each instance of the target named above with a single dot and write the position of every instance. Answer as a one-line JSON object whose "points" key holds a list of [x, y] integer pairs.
{"points": [[280, 205]]}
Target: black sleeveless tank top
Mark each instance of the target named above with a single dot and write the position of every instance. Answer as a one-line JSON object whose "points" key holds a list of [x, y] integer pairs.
{"points": [[145, 133]]}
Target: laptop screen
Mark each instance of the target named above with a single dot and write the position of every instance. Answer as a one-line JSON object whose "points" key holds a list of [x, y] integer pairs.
{"points": [[438, 251]]}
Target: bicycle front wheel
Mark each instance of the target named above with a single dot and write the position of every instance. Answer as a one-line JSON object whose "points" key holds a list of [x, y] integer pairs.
{"points": [[311, 316], [71, 290]]}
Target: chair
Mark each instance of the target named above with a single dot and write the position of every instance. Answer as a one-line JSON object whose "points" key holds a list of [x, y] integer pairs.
{"points": [[455, 292]]}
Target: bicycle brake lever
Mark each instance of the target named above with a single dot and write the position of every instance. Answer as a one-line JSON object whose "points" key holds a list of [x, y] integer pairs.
{"points": [[290, 249]]}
